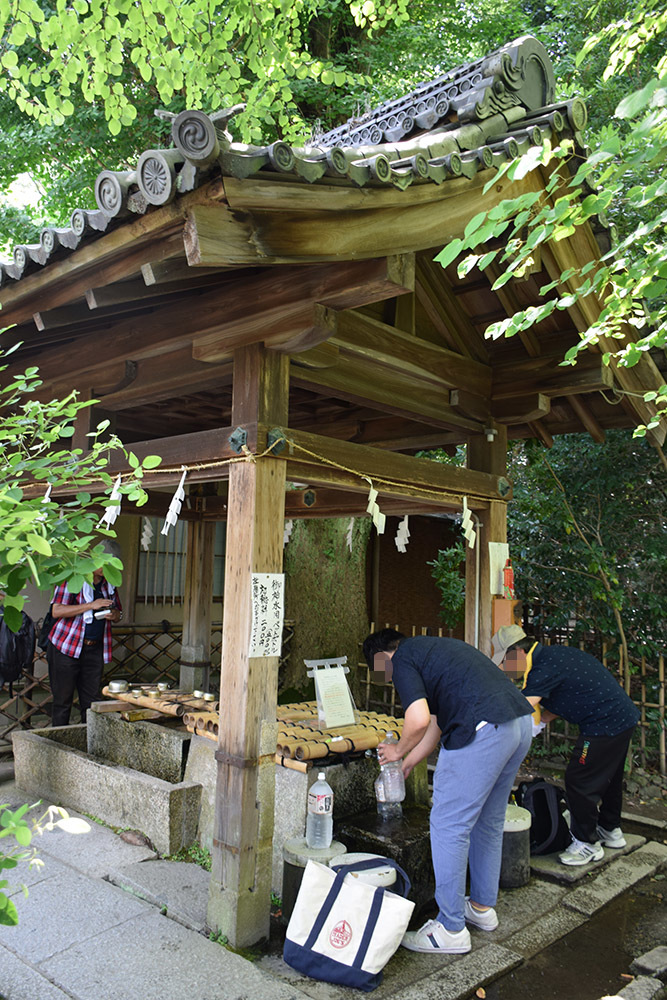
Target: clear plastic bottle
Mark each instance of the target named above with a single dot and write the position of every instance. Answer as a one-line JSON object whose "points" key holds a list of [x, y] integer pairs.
{"points": [[390, 786], [319, 822]]}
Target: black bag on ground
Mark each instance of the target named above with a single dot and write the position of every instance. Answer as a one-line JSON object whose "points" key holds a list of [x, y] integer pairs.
{"points": [[17, 649], [48, 622], [545, 802]]}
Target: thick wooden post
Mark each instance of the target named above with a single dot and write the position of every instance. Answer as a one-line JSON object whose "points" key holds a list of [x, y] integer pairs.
{"points": [[195, 669], [485, 456], [240, 889]]}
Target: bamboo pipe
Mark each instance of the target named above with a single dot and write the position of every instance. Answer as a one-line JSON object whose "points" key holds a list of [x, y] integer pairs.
{"points": [[294, 765], [304, 749], [157, 704]]}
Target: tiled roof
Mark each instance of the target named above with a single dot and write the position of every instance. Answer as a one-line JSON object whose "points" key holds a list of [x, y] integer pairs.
{"points": [[475, 117]]}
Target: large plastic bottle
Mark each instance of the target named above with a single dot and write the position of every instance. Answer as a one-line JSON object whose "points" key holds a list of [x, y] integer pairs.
{"points": [[390, 786], [319, 822]]}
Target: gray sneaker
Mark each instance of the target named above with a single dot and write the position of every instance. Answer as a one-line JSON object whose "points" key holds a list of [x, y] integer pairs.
{"points": [[612, 838], [581, 853]]}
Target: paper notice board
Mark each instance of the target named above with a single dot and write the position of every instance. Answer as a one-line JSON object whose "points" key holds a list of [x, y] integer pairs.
{"points": [[268, 612]]}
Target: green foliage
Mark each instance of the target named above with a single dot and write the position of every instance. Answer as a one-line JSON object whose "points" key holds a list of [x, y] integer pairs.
{"points": [[446, 571], [210, 56], [14, 824], [586, 532], [46, 540]]}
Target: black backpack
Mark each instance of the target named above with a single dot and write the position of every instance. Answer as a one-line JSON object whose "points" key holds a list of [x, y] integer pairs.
{"points": [[47, 624], [545, 802], [17, 649]]}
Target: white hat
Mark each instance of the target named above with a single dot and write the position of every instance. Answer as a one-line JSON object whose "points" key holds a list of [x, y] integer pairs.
{"points": [[505, 637]]}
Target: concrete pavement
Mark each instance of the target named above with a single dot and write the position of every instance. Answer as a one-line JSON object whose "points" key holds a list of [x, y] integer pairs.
{"points": [[107, 920]]}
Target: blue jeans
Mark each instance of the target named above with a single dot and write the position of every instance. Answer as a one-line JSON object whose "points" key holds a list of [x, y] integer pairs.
{"points": [[471, 788]]}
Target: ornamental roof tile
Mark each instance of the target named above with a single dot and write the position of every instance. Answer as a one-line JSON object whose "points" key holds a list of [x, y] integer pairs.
{"points": [[475, 117]]}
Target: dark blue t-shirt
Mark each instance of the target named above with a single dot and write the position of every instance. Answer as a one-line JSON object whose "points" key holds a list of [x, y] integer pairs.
{"points": [[578, 688], [463, 687]]}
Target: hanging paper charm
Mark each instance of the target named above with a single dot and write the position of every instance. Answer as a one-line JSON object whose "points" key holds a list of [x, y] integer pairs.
{"points": [[111, 513], [175, 505], [146, 534], [468, 528], [289, 525], [402, 535], [375, 512]]}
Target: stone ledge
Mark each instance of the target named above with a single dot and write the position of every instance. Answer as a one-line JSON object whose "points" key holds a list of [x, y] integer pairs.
{"points": [[590, 898]]}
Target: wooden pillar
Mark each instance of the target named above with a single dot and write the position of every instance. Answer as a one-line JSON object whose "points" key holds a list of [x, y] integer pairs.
{"points": [[484, 456], [195, 671], [240, 888]]}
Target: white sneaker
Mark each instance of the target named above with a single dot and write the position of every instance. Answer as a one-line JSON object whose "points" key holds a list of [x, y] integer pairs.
{"points": [[581, 853], [435, 938], [612, 838], [486, 920]]}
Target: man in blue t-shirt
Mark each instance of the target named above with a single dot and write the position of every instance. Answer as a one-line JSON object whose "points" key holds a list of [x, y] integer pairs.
{"points": [[566, 682], [453, 696]]}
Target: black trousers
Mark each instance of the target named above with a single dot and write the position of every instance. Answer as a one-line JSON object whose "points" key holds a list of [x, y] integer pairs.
{"points": [[69, 673], [594, 783]]}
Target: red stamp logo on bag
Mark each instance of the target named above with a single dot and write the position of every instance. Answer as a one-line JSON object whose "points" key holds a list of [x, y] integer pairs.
{"points": [[341, 935]]}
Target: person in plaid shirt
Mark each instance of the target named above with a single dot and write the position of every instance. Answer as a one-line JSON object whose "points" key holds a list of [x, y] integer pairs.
{"points": [[80, 643]]}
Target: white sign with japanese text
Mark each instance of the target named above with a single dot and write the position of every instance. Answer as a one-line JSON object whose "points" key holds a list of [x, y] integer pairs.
{"points": [[268, 612]]}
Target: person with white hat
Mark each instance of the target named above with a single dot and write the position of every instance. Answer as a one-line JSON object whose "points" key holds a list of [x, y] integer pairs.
{"points": [[565, 682]]}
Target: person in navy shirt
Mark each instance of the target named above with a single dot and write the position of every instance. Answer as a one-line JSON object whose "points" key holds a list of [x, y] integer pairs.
{"points": [[567, 683], [453, 696]]}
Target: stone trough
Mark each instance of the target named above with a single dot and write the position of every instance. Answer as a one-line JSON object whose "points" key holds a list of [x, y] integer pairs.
{"points": [[56, 765]]}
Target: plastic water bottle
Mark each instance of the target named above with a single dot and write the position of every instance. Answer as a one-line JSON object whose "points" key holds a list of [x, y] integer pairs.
{"points": [[319, 822], [390, 786]]}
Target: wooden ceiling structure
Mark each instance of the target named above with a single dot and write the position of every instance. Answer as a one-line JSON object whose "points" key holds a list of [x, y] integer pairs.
{"points": [[226, 301]]}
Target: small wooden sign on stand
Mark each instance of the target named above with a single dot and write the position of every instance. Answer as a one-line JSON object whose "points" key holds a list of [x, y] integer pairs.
{"points": [[335, 706]]}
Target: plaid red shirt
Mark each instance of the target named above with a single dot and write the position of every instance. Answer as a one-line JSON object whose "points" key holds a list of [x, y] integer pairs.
{"points": [[67, 634]]}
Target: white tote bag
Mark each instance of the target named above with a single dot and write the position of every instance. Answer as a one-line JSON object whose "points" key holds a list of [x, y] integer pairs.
{"points": [[343, 930]]}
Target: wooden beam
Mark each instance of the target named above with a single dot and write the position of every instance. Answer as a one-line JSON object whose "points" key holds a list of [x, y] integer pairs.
{"points": [[175, 271], [373, 225], [240, 886], [350, 463], [224, 312], [521, 409], [129, 294], [204, 447], [396, 392], [388, 346], [325, 502], [439, 301], [545, 375], [542, 433], [588, 420]]}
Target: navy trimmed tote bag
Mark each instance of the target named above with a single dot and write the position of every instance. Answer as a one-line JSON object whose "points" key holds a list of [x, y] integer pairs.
{"points": [[343, 930]]}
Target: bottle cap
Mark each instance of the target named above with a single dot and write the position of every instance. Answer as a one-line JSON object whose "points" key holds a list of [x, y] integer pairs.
{"points": [[320, 776]]}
